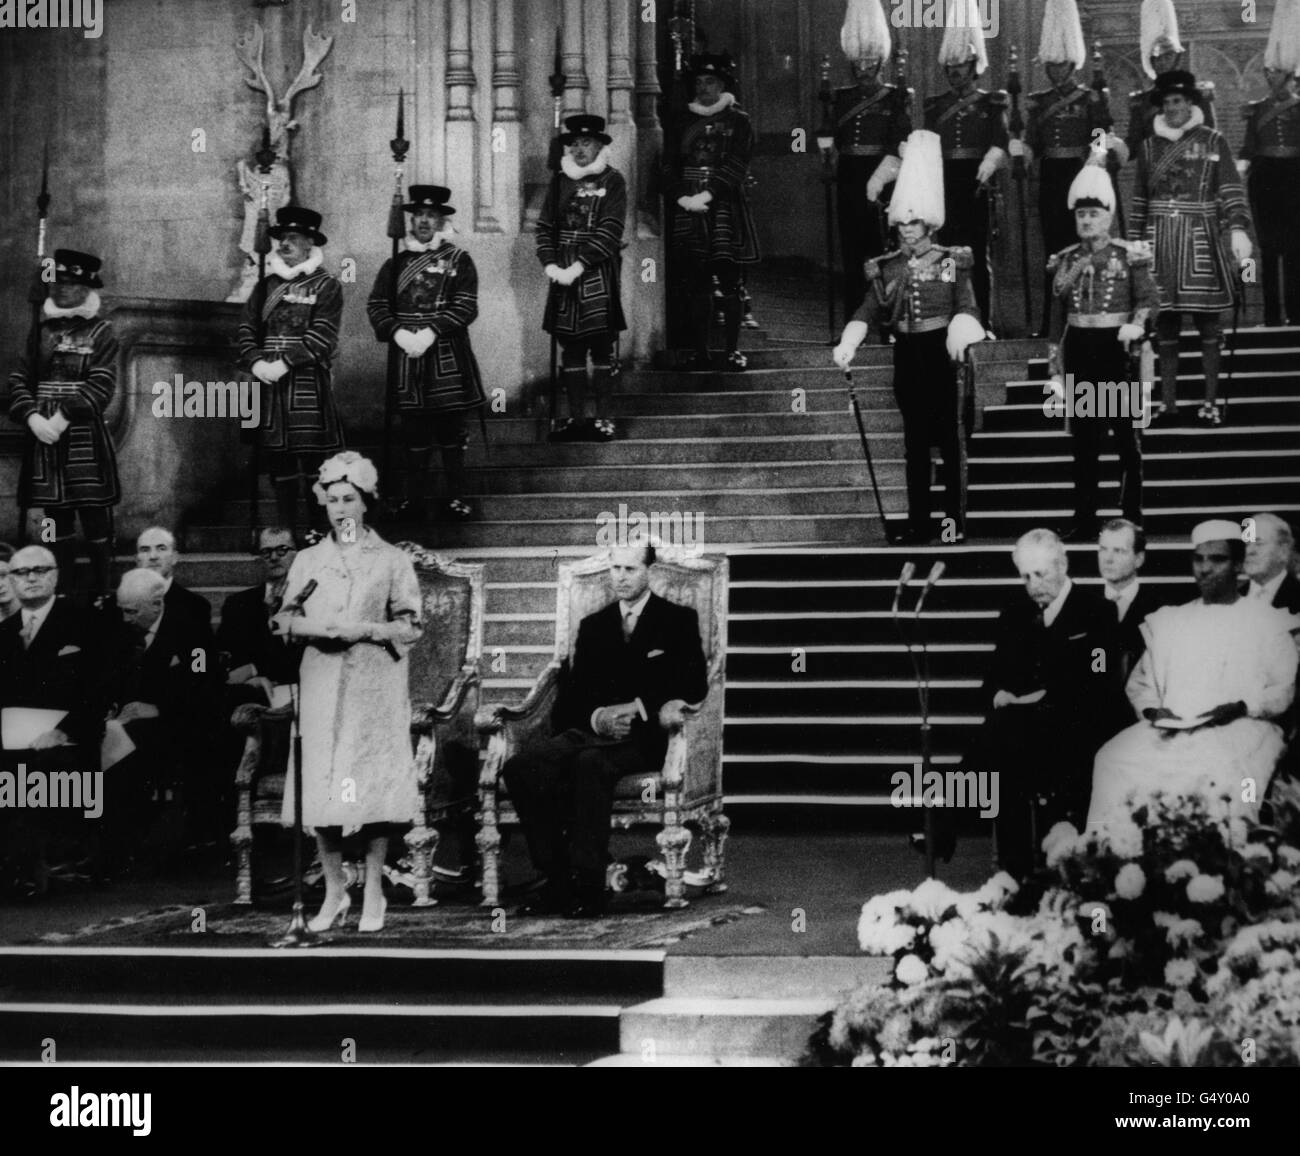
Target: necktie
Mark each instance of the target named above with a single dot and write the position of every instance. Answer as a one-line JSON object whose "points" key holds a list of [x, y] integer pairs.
{"points": [[629, 625], [29, 630], [274, 601]]}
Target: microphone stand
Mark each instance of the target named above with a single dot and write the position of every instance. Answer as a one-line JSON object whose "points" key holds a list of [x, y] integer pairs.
{"points": [[297, 934]]}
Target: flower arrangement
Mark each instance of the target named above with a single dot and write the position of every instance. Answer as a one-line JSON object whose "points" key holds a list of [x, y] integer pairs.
{"points": [[1173, 939]]}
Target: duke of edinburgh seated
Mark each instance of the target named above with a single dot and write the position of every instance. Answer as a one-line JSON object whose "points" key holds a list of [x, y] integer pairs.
{"points": [[637, 665]]}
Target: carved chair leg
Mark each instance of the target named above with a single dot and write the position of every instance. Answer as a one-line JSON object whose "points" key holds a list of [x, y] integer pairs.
{"points": [[241, 839], [422, 842], [674, 841], [714, 829], [488, 842]]}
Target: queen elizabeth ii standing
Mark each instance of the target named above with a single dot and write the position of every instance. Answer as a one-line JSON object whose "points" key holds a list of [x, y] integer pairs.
{"points": [[357, 625]]}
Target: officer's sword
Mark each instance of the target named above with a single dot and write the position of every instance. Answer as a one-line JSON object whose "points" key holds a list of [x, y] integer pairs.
{"points": [[866, 452]]}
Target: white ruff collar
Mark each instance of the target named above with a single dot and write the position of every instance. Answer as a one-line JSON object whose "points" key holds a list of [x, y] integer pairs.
{"points": [[575, 171], [1162, 126], [277, 266], [88, 308], [414, 246], [728, 99]]}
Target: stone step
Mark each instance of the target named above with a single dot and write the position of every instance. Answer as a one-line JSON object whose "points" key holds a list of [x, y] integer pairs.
{"points": [[635, 479], [661, 1061], [774, 392], [647, 453], [1249, 411], [778, 1028], [1156, 466], [773, 977], [843, 496]]}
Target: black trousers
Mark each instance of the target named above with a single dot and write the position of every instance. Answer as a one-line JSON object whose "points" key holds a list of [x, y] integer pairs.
{"points": [[563, 792], [925, 387], [967, 213], [863, 229], [1273, 183], [1096, 356]]}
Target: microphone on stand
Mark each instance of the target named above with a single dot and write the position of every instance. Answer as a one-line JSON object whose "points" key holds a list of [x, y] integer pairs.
{"points": [[923, 698], [909, 569], [295, 607], [936, 572]]}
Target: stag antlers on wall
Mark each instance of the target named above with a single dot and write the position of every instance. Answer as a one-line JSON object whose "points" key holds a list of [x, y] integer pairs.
{"points": [[250, 50]]}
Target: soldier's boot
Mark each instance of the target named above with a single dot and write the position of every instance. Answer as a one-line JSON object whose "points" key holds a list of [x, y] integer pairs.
{"points": [[602, 380], [733, 313], [1210, 413], [701, 318]]}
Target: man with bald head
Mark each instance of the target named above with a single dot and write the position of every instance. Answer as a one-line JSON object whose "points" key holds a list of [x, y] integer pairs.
{"points": [[164, 693], [1270, 555]]}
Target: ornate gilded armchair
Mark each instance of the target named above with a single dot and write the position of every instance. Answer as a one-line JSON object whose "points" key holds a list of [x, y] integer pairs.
{"points": [[444, 683], [688, 790]]}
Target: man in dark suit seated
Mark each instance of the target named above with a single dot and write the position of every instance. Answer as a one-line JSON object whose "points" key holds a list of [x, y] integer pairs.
{"points": [[256, 660], [636, 663], [50, 658], [162, 687], [1042, 695], [155, 549], [1121, 551]]}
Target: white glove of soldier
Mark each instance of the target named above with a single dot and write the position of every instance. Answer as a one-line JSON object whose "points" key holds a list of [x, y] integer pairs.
{"points": [[277, 369], [1243, 167], [552, 271], [572, 273], [408, 343], [1116, 145], [875, 186], [843, 354], [426, 337], [963, 331], [59, 422], [989, 165], [263, 372], [41, 427], [1242, 249], [1130, 333]]}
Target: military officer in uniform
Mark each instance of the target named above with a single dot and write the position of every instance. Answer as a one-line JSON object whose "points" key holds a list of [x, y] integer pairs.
{"points": [[579, 239], [1270, 162], [300, 305], [871, 121], [1063, 124], [713, 233], [69, 467], [972, 125], [923, 293], [1104, 296], [424, 319], [1187, 202], [1162, 51]]}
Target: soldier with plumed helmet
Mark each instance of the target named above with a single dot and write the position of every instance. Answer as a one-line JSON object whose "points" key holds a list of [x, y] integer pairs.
{"points": [[923, 294], [872, 120], [1103, 296], [1162, 51], [972, 124]]}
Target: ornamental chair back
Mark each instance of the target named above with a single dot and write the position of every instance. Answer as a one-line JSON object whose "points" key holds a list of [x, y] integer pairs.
{"points": [[444, 680], [687, 790]]}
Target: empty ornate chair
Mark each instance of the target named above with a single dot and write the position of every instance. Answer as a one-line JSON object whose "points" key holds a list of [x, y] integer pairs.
{"points": [[444, 684], [687, 791]]}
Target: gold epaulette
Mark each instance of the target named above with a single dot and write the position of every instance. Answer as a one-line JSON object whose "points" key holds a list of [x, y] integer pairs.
{"points": [[1055, 260], [961, 254]]}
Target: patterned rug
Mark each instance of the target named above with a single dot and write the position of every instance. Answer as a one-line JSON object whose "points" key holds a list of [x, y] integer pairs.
{"points": [[441, 927]]}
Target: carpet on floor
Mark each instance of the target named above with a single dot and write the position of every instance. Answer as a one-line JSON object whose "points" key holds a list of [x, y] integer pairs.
{"points": [[441, 927]]}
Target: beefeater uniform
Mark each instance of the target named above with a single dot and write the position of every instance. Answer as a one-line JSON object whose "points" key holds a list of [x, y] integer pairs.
{"points": [[1095, 292], [711, 162], [77, 380], [437, 290], [582, 223]]}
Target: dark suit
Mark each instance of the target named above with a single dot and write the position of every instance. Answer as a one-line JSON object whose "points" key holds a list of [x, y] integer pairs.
{"points": [[1047, 747], [60, 671], [1287, 596], [182, 603], [1124, 645], [565, 787], [245, 635]]}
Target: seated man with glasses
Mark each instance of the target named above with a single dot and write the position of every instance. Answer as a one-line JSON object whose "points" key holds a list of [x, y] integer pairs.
{"points": [[8, 599], [50, 701]]}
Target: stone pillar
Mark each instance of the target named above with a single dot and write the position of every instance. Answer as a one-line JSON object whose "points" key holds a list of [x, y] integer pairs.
{"points": [[460, 128], [573, 54], [649, 133], [622, 126], [504, 161]]}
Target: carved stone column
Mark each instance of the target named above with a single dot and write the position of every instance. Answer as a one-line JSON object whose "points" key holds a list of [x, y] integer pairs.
{"points": [[503, 162], [622, 126], [574, 55], [649, 132], [460, 129]]}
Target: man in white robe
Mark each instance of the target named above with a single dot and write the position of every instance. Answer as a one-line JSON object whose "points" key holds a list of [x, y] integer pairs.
{"points": [[1217, 674]]}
